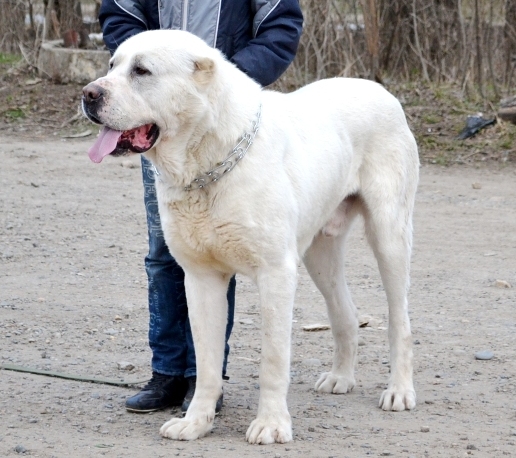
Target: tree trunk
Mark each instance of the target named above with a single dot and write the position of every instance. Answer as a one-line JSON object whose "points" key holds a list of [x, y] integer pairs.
{"points": [[421, 36], [510, 35], [396, 32], [70, 15], [12, 26], [372, 32], [446, 41], [67, 23]]}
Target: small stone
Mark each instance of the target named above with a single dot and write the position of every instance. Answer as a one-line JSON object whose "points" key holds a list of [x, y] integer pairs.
{"points": [[502, 284], [20, 449], [484, 355], [33, 420], [476, 186], [471, 447], [386, 453], [363, 320], [366, 321], [425, 429], [311, 429], [246, 321], [125, 366], [128, 164], [316, 327], [110, 332]]}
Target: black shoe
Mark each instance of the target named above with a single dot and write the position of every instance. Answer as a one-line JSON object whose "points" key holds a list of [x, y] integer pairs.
{"points": [[161, 392], [190, 394]]}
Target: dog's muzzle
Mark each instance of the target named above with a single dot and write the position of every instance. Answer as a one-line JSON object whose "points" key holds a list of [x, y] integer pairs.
{"points": [[115, 141], [93, 98]]}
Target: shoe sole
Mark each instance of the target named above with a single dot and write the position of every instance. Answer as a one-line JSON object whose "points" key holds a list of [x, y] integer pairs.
{"points": [[134, 410], [129, 409]]}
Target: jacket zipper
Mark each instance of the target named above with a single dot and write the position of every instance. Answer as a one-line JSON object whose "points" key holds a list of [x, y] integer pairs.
{"points": [[185, 15]]}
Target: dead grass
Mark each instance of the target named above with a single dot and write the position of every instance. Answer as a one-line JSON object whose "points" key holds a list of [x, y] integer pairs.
{"points": [[438, 113]]}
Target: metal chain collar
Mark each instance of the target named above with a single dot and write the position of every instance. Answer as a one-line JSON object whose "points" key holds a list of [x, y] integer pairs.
{"points": [[229, 163]]}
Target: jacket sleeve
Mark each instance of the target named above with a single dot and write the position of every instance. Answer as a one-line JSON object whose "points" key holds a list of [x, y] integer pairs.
{"points": [[276, 32], [120, 19]]}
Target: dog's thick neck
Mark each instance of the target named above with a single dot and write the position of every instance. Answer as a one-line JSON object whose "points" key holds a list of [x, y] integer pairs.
{"points": [[230, 161], [230, 110]]}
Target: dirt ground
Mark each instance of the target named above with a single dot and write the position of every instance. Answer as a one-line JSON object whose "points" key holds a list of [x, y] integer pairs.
{"points": [[73, 300]]}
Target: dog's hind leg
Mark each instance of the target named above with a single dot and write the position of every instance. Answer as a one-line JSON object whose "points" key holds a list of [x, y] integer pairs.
{"points": [[325, 261], [389, 202]]}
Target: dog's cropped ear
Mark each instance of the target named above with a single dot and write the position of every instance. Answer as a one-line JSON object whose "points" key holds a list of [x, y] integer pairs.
{"points": [[204, 67]]}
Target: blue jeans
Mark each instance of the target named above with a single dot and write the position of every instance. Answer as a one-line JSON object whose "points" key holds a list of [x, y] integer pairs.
{"points": [[170, 336]]}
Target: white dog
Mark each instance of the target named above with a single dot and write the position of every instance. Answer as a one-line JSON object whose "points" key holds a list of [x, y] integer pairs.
{"points": [[316, 158]]}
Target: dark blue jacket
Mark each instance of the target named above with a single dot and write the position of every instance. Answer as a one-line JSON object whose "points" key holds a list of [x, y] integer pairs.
{"points": [[260, 37]]}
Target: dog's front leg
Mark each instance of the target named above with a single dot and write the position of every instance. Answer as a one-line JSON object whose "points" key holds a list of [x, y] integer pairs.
{"points": [[277, 289], [206, 294]]}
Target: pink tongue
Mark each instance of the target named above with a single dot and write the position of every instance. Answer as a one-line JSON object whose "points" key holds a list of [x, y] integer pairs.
{"points": [[104, 145]]}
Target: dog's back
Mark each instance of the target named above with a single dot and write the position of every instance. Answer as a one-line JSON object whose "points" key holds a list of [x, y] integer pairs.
{"points": [[327, 141]]}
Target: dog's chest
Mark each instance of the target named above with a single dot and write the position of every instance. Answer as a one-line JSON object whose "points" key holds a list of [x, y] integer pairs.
{"points": [[193, 229]]}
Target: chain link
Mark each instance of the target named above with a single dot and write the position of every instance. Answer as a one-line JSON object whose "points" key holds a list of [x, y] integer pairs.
{"points": [[236, 155]]}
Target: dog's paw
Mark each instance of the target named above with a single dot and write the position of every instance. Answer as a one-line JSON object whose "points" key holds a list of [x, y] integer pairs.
{"points": [[186, 429], [269, 430], [330, 383], [398, 399]]}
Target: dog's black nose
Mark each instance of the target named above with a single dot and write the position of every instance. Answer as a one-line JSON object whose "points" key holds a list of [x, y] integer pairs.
{"points": [[92, 92]]}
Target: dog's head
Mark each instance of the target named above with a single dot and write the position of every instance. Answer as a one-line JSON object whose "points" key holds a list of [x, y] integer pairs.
{"points": [[158, 83]]}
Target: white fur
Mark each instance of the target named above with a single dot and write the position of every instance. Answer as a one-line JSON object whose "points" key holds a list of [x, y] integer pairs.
{"points": [[323, 155]]}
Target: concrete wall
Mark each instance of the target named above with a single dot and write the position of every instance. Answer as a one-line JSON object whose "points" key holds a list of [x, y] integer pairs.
{"points": [[71, 65]]}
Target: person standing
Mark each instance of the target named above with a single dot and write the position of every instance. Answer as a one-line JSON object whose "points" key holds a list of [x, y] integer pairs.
{"points": [[260, 37]]}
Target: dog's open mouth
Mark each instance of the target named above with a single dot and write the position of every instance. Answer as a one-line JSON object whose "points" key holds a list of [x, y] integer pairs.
{"points": [[118, 143]]}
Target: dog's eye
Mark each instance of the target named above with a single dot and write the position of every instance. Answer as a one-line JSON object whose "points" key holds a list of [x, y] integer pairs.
{"points": [[140, 71]]}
